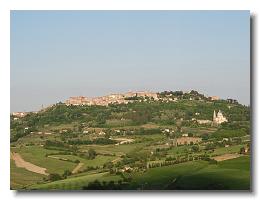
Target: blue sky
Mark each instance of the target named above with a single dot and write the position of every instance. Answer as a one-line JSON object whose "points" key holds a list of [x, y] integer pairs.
{"points": [[58, 54]]}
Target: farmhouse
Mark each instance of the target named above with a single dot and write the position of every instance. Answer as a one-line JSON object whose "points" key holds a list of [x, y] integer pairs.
{"points": [[204, 121], [214, 98], [187, 140]]}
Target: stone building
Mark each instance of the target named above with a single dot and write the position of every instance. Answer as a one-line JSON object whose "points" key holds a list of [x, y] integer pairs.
{"points": [[80, 100], [19, 114], [187, 140], [214, 98], [204, 121], [218, 118], [109, 99]]}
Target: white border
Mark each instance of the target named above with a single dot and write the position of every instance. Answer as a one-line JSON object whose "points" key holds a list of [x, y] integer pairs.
{"points": [[7, 5]]}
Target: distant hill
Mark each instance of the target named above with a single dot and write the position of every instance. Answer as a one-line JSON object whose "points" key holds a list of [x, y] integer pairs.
{"points": [[167, 108]]}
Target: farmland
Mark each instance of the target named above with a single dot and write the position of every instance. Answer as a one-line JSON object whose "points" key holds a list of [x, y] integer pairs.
{"points": [[142, 145]]}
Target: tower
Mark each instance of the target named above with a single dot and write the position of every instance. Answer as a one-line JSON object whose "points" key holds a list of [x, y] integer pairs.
{"points": [[214, 116]]}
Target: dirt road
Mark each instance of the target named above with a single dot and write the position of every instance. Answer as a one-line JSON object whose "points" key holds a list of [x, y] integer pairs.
{"points": [[226, 157], [76, 169], [20, 162]]}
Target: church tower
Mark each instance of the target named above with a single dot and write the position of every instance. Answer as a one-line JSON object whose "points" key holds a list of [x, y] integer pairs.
{"points": [[214, 116]]}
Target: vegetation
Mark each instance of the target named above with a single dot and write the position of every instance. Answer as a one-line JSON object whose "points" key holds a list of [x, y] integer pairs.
{"points": [[133, 146]]}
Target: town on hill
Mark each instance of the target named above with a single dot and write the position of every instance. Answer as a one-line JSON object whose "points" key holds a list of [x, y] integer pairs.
{"points": [[171, 140]]}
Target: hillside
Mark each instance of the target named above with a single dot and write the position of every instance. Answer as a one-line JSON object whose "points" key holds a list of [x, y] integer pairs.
{"points": [[145, 133]]}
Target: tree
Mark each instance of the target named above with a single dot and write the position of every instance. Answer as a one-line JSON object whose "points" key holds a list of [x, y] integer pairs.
{"points": [[108, 165], [242, 150], [190, 134], [195, 148], [92, 154], [210, 146], [54, 177], [66, 173]]}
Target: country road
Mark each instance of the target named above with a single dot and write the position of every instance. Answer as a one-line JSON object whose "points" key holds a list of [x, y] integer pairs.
{"points": [[20, 162], [76, 169]]}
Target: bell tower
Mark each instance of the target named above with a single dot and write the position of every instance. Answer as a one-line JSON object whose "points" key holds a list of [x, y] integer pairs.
{"points": [[214, 116]]}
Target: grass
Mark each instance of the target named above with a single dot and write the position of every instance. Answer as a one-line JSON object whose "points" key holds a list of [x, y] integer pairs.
{"points": [[76, 183], [36, 155], [230, 174], [227, 175], [60, 127], [116, 149], [98, 161], [157, 178], [20, 177], [241, 163], [224, 150], [178, 150], [118, 123]]}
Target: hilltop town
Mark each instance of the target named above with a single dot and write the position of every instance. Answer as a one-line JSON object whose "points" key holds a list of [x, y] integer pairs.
{"points": [[110, 99], [143, 96]]}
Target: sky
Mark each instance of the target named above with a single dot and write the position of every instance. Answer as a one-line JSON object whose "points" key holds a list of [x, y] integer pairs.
{"points": [[58, 54]]}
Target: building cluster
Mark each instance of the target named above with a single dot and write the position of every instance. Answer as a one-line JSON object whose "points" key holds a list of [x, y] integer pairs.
{"points": [[232, 101], [110, 99], [185, 140], [19, 114]]}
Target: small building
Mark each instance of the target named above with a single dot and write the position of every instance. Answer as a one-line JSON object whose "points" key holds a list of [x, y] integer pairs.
{"points": [[166, 130], [232, 101], [101, 133], [187, 140], [127, 169], [204, 121], [214, 98]]}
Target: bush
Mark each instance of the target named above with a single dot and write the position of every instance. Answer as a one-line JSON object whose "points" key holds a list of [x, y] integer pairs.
{"points": [[54, 177], [66, 173]]}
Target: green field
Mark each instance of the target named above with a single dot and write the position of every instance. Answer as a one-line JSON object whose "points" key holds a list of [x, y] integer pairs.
{"points": [[76, 183], [98, 161], [224, 150], [133, 146], [227, 175], [22, 178], [231, 174], [36, 155], [157, 178]]}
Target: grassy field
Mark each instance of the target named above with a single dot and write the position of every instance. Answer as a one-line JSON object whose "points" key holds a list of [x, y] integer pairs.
{"points": [[227, 175], [21, 178], [36, 155], [118, 123], [98, 161], [116, 149], [76, 183], [156, 178], [230, 174], [224, 150], [178, 150]]}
